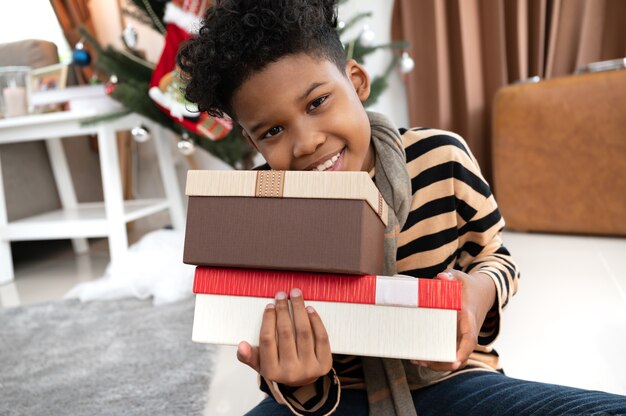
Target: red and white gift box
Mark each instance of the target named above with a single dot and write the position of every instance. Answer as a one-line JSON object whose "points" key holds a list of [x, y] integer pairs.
{"points": [[380, 316]]}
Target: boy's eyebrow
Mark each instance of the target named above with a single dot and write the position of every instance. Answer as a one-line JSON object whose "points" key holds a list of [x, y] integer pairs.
{"points": [[310, 89]]}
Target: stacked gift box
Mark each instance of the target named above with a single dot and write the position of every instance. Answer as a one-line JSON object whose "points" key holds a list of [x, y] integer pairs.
{"points": [[254, 233]]}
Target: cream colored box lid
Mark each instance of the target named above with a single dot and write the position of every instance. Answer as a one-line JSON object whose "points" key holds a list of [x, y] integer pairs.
{"points": [[287, 184]]}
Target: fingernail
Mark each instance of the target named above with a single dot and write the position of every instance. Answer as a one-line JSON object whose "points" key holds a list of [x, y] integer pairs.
{"points": [[281, 295], [310, 309], [295, 292], [270, 306], [451, 275]]}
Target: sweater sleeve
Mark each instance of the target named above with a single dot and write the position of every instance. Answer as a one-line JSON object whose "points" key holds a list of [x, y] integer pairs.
{"points": [[480, 249], [318, 399], [454, 219]]}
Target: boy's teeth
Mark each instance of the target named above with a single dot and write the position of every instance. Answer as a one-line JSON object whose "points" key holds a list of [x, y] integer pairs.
{"points": [[329, 163]]}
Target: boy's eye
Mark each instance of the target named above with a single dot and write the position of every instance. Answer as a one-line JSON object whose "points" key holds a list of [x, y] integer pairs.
{"points": [[272, 132], [317, 102]]}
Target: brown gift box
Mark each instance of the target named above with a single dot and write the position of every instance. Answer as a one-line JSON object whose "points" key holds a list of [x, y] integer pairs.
{"points": [[286, 220]]}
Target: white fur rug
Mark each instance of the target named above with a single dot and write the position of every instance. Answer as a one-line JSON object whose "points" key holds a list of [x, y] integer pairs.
{"points": [[152, 268]]}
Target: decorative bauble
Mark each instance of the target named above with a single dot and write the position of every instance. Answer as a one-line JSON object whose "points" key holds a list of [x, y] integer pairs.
{"points": [[406, 63], [110, 86], [140, 134], [80, 57], [186, 146], [129, 36], [367, 37]]}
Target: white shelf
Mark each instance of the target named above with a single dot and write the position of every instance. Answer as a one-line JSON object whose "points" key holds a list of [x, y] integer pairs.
{"points": [[79, 221], [87, 220], [61, 124]]}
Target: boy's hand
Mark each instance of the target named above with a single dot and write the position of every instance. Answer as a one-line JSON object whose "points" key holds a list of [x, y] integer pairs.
{"points": [[292, 352], [479, 293]]}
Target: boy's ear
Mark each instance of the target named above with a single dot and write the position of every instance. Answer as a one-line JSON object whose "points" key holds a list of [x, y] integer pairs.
{"points": [[360, 79]]}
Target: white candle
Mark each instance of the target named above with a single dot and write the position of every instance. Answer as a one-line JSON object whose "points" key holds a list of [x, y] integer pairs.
{"points": [[15, 103]]}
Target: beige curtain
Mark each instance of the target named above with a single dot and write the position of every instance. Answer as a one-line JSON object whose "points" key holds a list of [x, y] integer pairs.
{"points": [[465, 50]]}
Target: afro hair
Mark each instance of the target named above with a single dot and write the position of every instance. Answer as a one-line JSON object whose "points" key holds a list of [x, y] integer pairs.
{"points": [[238, 38]]}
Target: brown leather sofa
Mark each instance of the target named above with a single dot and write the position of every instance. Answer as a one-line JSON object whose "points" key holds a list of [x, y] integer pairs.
{"points": [[559, 154]]}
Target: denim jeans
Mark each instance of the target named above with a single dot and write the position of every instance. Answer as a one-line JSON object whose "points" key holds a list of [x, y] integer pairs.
{"points": [[480, 393]]}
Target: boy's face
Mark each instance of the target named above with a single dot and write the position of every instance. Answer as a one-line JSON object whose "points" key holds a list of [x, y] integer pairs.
{"points": [[302, 113]]}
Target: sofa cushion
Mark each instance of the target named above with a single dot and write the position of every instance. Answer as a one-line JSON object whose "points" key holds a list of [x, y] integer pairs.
{"points": [[30, 52]]}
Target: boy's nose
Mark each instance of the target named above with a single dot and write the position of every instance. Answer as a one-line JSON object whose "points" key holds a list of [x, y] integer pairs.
{"points": [[307, 143]]}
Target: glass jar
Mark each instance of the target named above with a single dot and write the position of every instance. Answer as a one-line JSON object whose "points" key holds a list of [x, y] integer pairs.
{"points": [[14, 91]]}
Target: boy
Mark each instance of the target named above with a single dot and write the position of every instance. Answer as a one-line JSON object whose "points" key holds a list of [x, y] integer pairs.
{"points": [[278, 69]]}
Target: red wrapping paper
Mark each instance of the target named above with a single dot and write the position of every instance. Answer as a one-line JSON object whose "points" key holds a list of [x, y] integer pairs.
{"points": [[429, 293]]}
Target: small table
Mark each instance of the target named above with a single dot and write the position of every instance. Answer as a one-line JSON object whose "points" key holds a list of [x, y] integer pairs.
{"points": [[78, 221]]}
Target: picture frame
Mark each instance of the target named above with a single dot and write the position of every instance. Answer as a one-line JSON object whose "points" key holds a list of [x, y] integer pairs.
{"points": [[51, 77], [47, 78]]}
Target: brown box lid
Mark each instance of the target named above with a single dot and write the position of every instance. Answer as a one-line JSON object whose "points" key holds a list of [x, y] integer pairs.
{"points": [[309, 221]]}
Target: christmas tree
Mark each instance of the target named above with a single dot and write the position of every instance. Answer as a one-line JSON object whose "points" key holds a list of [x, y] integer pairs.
{"points": [[154, 91]]}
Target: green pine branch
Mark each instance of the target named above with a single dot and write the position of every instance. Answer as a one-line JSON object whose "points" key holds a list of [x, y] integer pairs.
{"points": [[380, 83], [111, 116], [358, 52], [154, 11], [353, 20], [133, 83], [122, 64], [232, 149]]}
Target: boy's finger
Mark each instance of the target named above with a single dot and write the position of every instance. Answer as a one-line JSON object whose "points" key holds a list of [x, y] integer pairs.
{"points": [[284, 329], [467, 337], [268, 353], [466, 346], [448, 274], [248, 355], [304, 335], [322, 343]]}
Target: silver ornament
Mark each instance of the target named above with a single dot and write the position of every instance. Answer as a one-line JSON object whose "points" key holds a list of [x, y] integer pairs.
{"points": [[140, 134], [129, 36], [186, 147], [406, 63], [367, 37]]}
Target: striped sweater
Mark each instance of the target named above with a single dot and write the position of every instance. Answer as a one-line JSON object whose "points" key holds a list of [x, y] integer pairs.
{"points": [[453, 221]]}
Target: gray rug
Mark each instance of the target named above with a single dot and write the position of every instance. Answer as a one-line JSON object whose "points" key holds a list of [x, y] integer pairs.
{"points": [[122, 357]]}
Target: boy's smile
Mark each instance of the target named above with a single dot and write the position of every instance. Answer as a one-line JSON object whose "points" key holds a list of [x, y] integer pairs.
{"points": [[302, 113]]}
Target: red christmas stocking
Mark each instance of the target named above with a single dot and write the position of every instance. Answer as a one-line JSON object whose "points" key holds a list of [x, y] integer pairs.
{"points": [[182, 17]]}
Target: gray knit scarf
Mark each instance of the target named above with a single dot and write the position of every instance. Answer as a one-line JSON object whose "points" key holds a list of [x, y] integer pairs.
{"points": [[387, 380]]}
